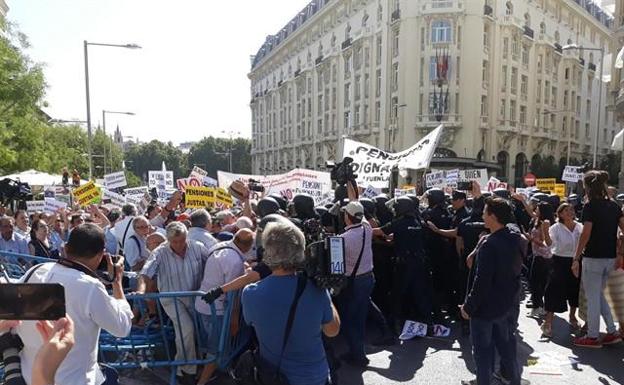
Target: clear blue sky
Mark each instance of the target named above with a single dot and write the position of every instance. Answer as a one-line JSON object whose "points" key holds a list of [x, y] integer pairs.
{"points": [[188, 81]]}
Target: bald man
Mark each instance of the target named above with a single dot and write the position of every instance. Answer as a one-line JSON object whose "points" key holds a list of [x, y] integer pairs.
{"points": [[225, 263]]}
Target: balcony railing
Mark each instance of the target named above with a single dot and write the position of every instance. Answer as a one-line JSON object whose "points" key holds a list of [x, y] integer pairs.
{"points": [[396, 15], [558, 48], [297, 73], [346, 44], [528, 31], [318, 60]]}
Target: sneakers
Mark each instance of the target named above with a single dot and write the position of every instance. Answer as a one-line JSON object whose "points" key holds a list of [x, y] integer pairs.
{"points": [[611, 339], [546, 330], [586, 342]]}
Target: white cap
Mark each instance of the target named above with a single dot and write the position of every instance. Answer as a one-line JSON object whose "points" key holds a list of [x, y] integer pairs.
{"points": [[355, 209]]}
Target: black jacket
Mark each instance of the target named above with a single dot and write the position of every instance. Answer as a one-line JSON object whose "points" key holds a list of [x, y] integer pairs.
{"points": [[497, 275]]}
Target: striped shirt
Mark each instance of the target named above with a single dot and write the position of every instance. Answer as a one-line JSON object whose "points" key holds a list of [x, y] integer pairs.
{"points": [[174, 272], [353, 240]]}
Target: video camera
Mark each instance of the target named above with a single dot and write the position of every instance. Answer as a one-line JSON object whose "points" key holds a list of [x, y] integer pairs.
{"points": [[341, 172], [255, 185], [12, 190], [325, 263]]}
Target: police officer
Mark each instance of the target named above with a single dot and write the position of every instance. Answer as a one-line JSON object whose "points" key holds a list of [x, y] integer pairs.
{"points": [[412, 287], [439, 250]]}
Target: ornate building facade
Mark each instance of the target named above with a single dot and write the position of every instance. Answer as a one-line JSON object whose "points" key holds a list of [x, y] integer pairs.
{"points": [[496, 73]]}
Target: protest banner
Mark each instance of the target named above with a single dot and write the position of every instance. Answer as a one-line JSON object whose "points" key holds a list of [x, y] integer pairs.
{"points": [[140, 191], [560, 190], [158, 178], [199, 197], [53, 205], [115, 199], [546, 184], [572, 174], [223, 198], [87, 194], [374, 166], [198, 173], [494, 183], [34, 206], [435, 179], [451, 177], [115, 180], [297, 181], [480, 175], [398, 192], [52, 191], [370, 192], [210, 182]]}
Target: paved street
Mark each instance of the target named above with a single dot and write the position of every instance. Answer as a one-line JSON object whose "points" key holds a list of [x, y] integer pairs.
{"points": [[447, 361]]}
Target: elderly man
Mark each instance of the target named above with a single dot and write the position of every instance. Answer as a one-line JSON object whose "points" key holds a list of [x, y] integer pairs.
{"points": [[135, 250], [179, 265], [200, 228], [154, 240], [9, 240], [226, 262]]}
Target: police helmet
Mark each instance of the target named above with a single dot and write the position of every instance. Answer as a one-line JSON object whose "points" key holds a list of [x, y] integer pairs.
{"points": [[573, 199], [320, 210], [281, 201], [554, 200], [267, 206], [620, 198], [304, 206], [502, 193], [414, 199], [540, 197], [435, 197], [404, 206], [369, 207]]}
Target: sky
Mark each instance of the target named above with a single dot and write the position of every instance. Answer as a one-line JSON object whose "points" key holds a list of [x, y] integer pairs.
{"points": [[188, 81]]}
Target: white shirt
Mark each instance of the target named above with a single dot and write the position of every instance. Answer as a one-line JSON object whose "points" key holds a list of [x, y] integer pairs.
{"points": [[91, 308], [221, 267], [564, 241], [120, 229], [203, 236]]}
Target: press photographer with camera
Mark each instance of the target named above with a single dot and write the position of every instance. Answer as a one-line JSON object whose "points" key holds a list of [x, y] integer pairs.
{"points": [[87, 303], [288, 313]]}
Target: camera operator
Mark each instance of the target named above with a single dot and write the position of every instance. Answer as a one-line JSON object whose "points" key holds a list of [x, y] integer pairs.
{"points": [[299, 355], [353, 301], [87, 302]]}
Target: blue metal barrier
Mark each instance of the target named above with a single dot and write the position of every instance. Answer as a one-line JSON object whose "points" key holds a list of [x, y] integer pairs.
{"points": [[16, 264], [153, 345]]}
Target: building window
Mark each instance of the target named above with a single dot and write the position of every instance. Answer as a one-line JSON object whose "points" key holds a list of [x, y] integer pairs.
{"points": [[378, 51], [395, 76], [347, 66], [395, 43], [441, 31], [587, 130], [356, 114], [378, 83], [504, 79], [366, 85], [484, 105], [514, 80], [524, 86], [356, 86], [543, 28], [347, 119], [422, 71], [347, 95], [485, 73], [525, 55], [503, 109], [512, 111], [505, 47], [509, 8], [441, 3], [379, 13], [377, 112], [523, 115], [457, 69], [547, 92], [515, 47]]}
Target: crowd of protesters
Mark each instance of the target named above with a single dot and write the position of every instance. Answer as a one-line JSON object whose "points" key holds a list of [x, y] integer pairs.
{"points": [[435, 259]]}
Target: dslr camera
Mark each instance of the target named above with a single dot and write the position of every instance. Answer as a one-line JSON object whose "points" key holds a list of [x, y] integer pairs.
{"points": [[325, 263], [255, 185], [341, 172]]}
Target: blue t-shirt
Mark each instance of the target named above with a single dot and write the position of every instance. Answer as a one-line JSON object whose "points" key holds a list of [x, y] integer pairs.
{"points": [[266, 305]]}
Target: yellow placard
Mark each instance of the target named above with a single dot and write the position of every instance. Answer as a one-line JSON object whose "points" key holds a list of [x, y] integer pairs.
{"points": [[87, 194], [199, 197], [546, 184], [224, 197], [560, 190]]}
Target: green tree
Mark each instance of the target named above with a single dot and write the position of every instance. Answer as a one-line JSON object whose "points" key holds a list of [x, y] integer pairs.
{"points": [[211, 154], [146, 157]]}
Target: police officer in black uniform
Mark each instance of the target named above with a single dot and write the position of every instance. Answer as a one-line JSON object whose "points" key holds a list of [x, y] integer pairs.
{"points": [[412, 287]]}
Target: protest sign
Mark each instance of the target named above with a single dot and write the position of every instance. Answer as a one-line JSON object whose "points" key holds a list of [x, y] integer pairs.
{"points": [[546, 184], [115, 180], [87, 194], [572, 174], [479, 175], [327, 198], [401, 192], [560, 190], [370, 192], [413, 329], [210, 182], [35, 206], [199, 197], [451, 177], [223, 197], [117, 200], [136, 191], [53, 205], [198, 173], [374, 166], [297, 181], [494, 184], [435, 179], [160, 178]]}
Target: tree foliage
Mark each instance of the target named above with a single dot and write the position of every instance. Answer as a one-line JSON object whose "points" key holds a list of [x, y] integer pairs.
{"points": [[144, 157], [212, 154]]}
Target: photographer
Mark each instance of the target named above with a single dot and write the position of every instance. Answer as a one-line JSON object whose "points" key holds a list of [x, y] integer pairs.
{"points": [[266, 307], [353, 301], [87, 302]]}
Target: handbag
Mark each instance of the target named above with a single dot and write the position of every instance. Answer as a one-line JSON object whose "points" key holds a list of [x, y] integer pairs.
{"points": [[251, 369]]}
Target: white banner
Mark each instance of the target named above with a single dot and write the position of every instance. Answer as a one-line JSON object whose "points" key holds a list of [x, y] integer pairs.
{"points": [[115, 199], [156, 178], [398, 192], [297, 181], [52, 205], [136, 191], [451, 177], [198, 173], [480, 175], [373, 166], [435, 179], [572, 174], [115, 180], [35, 206]]}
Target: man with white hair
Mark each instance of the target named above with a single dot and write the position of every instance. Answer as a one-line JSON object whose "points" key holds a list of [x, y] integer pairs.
{"points": [[201, 224], [179, 265], [267, 304]]}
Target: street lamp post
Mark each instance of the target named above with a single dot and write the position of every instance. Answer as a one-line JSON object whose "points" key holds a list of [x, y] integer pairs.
{"points": [[602, 55], [86, 64], [104, 112]]}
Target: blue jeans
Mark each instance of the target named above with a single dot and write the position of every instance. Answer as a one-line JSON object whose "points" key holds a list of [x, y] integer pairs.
{"points": [[594, 277], [487, 335], [353, 304]]}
